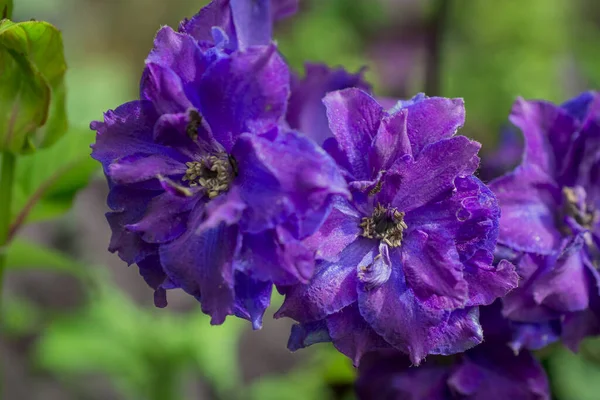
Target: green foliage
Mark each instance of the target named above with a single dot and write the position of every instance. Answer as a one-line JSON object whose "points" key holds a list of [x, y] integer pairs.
{"points": [[497, 53], [142, 351], [32, 93], [575, 376], [20, 317], [48, 180], [22, 254]]}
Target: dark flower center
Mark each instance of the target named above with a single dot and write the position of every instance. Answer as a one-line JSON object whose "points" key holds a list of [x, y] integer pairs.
{"points": [[576, 207], [214, 173], [385, 224]]}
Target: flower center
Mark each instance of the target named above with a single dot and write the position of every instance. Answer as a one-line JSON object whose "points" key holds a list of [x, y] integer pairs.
{"points": [[214, 173], [576, 207], [385, 224]]}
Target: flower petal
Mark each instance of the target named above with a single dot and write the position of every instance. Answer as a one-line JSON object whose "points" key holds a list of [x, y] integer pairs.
{"points": [[216, 14], [164, 88], [432, 173], [433, 270], [391, 142], [252, 298], [306, 111], [253, 22], [354, 118], [332, 287], [139, 168], [528, 199], [285, 176], [201, 264], [246, 92], [304, 335], [352, 335]]}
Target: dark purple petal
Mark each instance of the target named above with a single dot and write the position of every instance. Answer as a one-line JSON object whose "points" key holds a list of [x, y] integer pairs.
{"points": [[495, 373], [352, 335], [304, 335], [433, 271], [172, 130], [431, 119], [390, 376], [306, 111], [201, 264], [460, 333], [127, 244], [165, 89], [246, 92], [354, 118], [534, 336], [165, 218], [528, 199], [487, 282], [287, 174], [252, 298], [226, 208], [273, 255], [432, 173], [151, 270], [125, 131], [332, 287]]}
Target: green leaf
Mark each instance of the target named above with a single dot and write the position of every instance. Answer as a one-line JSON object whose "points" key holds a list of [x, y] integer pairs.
{"points": [[573, 376], [32, 95], [48, 180], [22, 254], [6, 8]]}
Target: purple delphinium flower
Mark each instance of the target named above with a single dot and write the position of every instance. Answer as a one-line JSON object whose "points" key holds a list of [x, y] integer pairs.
{"points": [[490, 371], [407, 262], [551, 221], [208, 192]]}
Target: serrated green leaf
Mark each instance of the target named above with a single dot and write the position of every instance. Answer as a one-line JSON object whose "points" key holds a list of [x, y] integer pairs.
{"points": [[48, 180], [32, 95], [22, 254]]}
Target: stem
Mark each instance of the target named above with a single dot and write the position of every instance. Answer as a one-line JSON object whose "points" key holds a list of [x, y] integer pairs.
{"points": [[7, 175], [435, 35]]}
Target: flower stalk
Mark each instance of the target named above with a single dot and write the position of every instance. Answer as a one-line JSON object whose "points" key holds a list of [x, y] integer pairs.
{"points": [[7, 174]]}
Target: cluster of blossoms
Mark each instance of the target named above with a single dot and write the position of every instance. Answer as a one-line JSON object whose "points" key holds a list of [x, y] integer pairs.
{"points": [[230, 175]]}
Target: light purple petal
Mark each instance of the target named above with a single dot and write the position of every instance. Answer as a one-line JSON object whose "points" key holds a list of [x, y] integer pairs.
{"points": [[528, 200], [332, 287], [354, 118], [253, 22], [432, 173], [139, 168], [216, 14], [164, 88], [391, 142]]}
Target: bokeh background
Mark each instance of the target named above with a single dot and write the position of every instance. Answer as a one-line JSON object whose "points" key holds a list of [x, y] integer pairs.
{"points": [[79, 324]]}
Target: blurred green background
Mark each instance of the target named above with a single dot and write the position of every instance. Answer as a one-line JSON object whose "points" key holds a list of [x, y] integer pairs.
{"points": [[78, 324]]}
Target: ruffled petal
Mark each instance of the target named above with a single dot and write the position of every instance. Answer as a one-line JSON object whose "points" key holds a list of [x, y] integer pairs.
{"points": [[354, 118], [432, 174], [272, 255], [216, 14], [487, 282], [534, 336], [406, 323], [285, 176], [433, 270], [339, 230], [201, 263], [125, 131], [352, 335], [332, 287], [139, 168], [246, 92], [529, 202], [252, 298], [306, 111], [165, 218], [431, 119]]}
